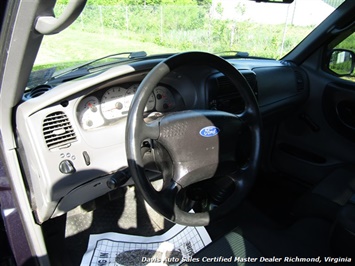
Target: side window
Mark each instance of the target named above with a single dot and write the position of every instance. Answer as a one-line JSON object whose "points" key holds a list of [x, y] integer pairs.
{"points": [[342, 59]]}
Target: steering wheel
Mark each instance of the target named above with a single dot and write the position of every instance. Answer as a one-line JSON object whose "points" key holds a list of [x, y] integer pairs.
{"points": [[194, 145]]}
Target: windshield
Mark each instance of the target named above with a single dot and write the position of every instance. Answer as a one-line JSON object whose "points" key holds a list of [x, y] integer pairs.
{"points": [[168, 26]]}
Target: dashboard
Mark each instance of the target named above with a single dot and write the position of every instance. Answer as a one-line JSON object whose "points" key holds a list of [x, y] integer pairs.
{"points": [[73, 135]]}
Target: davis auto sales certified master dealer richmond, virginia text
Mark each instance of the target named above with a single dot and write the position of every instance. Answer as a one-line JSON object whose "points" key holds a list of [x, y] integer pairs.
{"points": [[263, 259]]}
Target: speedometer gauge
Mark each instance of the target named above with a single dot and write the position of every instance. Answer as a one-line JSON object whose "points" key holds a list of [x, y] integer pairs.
{"points": [[112, 103], [88, 113]]}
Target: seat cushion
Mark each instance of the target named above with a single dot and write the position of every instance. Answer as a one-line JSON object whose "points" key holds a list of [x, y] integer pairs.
{"points": [[255, 243], [231, 249], [337, 187], [329, 195]]}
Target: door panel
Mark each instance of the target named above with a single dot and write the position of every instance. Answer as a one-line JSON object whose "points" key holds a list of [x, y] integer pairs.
{"points": [[320, 136], [339, 108]]}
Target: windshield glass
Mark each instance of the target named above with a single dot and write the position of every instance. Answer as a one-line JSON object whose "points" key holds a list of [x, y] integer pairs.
{"points": [[168, 26]]}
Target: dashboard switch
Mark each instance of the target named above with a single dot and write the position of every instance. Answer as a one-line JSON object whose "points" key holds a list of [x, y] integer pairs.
{"points": [[86, 158], [66, 167]]}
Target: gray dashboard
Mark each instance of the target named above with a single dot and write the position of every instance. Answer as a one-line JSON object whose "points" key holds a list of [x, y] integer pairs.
{"points": [[74, 134]]}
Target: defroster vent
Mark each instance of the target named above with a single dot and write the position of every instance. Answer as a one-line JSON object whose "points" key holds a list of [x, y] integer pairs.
{"points": [[57, 130]]}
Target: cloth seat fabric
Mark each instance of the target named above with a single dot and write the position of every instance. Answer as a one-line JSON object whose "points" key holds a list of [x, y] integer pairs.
{"points": [[329, 195]]}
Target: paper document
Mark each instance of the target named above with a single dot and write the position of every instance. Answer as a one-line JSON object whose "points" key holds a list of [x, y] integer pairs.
{"points": [[174, 247]]}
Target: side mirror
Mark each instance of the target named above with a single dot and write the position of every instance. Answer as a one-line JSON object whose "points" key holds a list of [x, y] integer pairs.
{"points": [[342, 62]]}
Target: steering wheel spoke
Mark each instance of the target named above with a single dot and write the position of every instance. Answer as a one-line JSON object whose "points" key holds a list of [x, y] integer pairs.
{"points": [[150, 130]]}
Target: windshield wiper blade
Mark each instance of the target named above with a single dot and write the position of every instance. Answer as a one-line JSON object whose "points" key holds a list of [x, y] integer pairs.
{"points": [[239, 54], [131, 55], [83, 69], [234, 54]]}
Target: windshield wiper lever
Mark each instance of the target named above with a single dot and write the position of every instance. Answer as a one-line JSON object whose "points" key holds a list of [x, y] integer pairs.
{"points": [[119, 178]]}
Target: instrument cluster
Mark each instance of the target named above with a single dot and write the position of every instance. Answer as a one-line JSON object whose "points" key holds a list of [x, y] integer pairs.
{"points": [[109, 105]]}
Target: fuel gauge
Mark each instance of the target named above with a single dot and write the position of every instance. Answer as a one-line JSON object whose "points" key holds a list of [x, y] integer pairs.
{"points": [[164, 99], [88, 113]]}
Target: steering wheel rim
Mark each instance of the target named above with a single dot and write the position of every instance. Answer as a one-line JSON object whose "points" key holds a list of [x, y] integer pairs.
{"points": [[181, 123]]}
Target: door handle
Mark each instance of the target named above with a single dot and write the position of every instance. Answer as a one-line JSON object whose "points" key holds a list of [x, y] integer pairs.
{"points": [[309, 122]]}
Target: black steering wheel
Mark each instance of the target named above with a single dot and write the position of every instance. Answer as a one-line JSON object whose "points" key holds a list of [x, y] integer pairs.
{"points": [[194, 145]]}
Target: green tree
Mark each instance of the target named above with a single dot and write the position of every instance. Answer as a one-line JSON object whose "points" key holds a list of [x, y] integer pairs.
{"points": [[204, 2]]}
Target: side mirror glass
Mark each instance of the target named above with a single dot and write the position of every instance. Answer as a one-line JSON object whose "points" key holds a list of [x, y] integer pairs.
{"points": [[342, 62]]}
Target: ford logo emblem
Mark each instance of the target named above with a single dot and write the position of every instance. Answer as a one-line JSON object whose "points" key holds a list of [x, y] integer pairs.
{"points": [[208, 132]]}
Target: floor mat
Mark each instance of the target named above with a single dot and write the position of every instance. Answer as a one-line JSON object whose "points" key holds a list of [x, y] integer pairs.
{"points": [[128, 213], [275, 195], [171, 248]]}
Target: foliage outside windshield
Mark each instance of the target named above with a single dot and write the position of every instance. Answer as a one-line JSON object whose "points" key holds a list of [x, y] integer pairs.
{"points": [[168, 26]]}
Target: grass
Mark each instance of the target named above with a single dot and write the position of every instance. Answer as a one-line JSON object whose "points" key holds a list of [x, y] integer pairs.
{"points": [[71, 47]]}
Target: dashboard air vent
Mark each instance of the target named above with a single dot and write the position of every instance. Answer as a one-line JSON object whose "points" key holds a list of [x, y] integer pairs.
{"points": [[35, 92], [57, 130], [225, 85]]}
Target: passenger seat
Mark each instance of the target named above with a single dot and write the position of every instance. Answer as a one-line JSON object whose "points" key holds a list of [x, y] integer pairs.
{"points": [[334, 200], [327, 197]]}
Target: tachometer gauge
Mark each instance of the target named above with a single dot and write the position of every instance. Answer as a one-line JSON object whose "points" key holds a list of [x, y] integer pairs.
{"points": [[88, 113], [164, 99], [112, 103], [129, 97]]}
